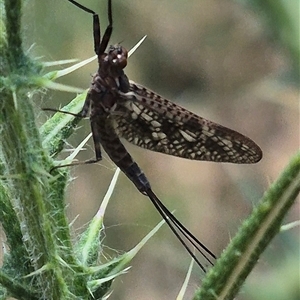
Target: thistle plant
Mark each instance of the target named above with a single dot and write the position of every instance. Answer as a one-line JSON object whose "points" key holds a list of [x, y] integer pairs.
{"points": [[40, 260]]}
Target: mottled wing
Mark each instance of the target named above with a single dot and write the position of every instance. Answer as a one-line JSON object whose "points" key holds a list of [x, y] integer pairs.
{"points": [[148, 120]]}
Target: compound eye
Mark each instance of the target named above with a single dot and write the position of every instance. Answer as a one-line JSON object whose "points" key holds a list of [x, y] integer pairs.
{"points": [[119, 50], [121, 57], [117, 55], [125, 52]]}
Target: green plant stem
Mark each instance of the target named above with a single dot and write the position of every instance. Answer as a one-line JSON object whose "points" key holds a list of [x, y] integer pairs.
{"points": [[237, 261], [13, 30], [24, 166], [17, 288]]}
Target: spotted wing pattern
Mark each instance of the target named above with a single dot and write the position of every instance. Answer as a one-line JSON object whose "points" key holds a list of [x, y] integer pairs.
{"points": [[152, 122]]}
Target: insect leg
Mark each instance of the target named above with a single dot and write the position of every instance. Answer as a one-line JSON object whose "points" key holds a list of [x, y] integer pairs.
{"points": [[96, 139], [82, 114], [108, 31]]}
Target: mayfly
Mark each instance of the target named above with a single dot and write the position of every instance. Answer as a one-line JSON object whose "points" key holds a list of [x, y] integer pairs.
{"points": [[122, 108]]}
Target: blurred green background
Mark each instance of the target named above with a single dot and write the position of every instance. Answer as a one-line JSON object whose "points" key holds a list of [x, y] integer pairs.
{"points": [[233, 62]]}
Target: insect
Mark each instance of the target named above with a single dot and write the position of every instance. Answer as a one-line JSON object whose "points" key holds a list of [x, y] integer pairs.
{"points": [[121, 108]]}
